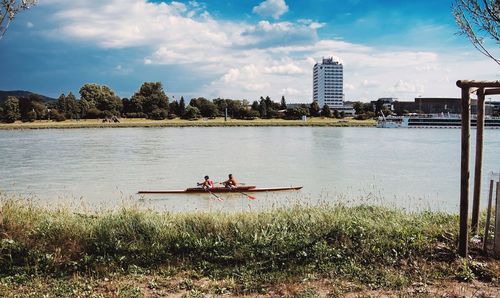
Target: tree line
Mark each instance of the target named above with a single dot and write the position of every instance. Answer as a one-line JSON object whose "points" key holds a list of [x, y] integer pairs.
{"points": [[150, 101]]}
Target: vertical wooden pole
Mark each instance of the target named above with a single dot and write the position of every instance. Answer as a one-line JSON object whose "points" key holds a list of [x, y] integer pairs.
{"points": [[496, 246], [488, 218], [479, 161], [464, 174]]}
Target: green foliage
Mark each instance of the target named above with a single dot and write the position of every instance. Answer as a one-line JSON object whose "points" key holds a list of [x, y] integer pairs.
{"points": [[315, 109], [325, 111], [93, 113], [158, 114], [363, 243], [11, 111], [263, 108], [283, 103], [191, 113], [464, 271], [31, 116], [255, 106], [206, 107], [150, 100], [173, 108], [57, 116], [33, 103], [93, 96], [336, 114], [296, 113], [68, 106], [182, 107]]}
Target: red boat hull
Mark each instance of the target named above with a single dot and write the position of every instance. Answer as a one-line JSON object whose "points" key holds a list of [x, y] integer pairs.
{"points": [[246, 189]]}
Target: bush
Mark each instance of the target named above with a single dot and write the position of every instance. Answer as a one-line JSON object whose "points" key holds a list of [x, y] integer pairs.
{"points": [[93, 113], [136, 115], [191, 113], [57, 116], [158, 114], [31, 116]]}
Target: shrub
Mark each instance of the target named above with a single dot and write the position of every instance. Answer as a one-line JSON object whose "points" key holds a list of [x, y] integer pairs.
{"points": [[191, 113], [57, 116], [158, 114], [93, 113], [31, 116], [136, 115]]}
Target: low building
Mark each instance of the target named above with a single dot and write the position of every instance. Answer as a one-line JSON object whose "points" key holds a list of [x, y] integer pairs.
{"points": [[384, 103], [297, 105]]}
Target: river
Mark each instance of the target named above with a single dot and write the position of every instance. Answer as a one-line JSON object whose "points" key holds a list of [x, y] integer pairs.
{"points": [[416, 169]]}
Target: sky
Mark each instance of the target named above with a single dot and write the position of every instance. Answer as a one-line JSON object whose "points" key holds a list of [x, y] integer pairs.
{"points": [[240, 49]]}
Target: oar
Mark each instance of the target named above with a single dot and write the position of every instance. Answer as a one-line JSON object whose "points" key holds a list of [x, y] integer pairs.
{"points": [[218, 198], [248, 196], [208, 190]]}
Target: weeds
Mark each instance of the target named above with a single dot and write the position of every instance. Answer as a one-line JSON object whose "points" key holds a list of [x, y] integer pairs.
{"points": [[375, 246]]}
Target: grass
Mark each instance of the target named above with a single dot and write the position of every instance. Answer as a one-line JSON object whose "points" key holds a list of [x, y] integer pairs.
{"points": [[317, 121], [239, 253]]}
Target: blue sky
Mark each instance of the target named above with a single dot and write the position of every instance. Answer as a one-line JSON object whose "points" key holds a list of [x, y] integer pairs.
{"points": [[240, 49]]}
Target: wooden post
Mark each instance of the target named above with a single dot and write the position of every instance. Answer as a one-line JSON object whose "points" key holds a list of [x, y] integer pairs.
{"points": [[464, 174], [488, 218], [496, 246], [479, 161]]}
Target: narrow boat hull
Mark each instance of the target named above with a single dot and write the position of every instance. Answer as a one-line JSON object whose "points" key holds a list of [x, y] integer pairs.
{"points": [[245, 189]]}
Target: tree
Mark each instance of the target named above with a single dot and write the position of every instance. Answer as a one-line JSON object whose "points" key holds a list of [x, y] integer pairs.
{"points": [[32, 108], [283, 103], [326, 112], [255, 105], [11, 109], [173, 107], [101, 98], [336, 114], [182, 107], [263, 109], [72, 106], [9, 9], [296, 113], [205, 106], [314, 109], [149, 98], [191, 113], [479, 20]]}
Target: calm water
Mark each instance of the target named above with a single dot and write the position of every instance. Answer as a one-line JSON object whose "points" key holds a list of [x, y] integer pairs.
{"points": [[410, 168]]}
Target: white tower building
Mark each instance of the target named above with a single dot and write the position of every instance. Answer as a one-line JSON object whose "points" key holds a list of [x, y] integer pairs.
{"points": [[328, 83]]}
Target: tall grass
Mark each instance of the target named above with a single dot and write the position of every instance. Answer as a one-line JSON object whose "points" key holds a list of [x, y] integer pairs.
{"points": [[360, 242]]}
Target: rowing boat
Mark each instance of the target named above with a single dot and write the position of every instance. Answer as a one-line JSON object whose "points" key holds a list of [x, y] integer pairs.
{"points": [[246, 188]]}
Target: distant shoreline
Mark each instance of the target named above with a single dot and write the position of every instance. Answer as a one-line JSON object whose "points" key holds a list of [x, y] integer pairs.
{"points": [[217, 122]]}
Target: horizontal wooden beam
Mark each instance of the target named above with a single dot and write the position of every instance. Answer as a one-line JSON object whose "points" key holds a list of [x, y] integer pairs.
{"points": [[492, 91], [478, 84]]}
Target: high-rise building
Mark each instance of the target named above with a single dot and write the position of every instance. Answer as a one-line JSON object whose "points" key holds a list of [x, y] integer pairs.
{"points": [[328, 83]]}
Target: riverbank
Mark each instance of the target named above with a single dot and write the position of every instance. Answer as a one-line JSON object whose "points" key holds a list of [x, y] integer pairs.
{"points": [[306, 251], [124, 122]]}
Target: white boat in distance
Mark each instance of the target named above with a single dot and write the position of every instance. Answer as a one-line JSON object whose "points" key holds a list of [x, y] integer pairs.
{"points": [[433, 121]]}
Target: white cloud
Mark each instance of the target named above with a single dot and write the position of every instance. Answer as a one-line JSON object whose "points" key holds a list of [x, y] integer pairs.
{"points": [[29, 25], [271, 8], [288, 69], [290, 91], [248, 60]]}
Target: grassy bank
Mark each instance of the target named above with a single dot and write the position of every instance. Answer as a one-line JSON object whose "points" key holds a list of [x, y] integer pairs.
{"points": [[43, 124], [60, 253]]}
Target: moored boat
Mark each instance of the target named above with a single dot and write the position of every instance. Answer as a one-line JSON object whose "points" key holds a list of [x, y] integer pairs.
{"points": [[246, 188]]}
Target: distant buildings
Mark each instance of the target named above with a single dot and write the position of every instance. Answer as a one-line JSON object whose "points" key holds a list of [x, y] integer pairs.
{"points": [[428, 105], [328, 84]]}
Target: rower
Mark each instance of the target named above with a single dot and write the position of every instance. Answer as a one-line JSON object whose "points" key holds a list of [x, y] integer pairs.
{"points": [[231, 182], [207, 183]]}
